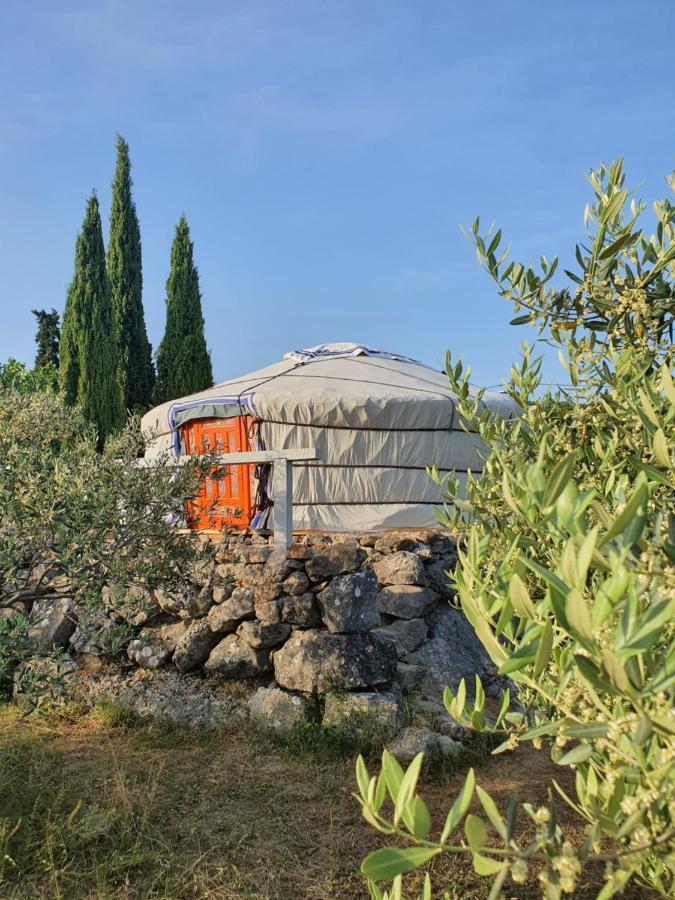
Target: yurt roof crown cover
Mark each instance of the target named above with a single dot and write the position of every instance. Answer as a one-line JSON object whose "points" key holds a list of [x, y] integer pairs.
{"points": [[378, 418]]}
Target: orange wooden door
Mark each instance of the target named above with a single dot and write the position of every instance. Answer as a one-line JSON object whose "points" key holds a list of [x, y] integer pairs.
{"points": [[224, 498]]}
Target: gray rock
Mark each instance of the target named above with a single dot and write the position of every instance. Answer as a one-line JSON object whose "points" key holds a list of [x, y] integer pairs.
{"points": [[270, 590], [363, 712], [226, 616], [407, 634], [164, 635], [409, 676], [394, 541], [334, 560], [259, 553], [193, 648], [263, 637], [95, 632], [202, 571], [148, 656], [300, 610], [184, 601], [443, 543], [407, 601], [253, 574], [452, 652], [437, 578], [434, 715], [411, 741], [299, 551], [402, 567], [315, 661], [222, 592], [277, 710], [296, 584], [168, 696], [449, 748], [52, 622], [278, 566], [267, 612], [349, 603], [234, 658]]}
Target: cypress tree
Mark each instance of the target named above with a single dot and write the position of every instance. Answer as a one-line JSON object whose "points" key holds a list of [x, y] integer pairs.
{"points": [[136, 372], [47, 338], [183, 361], [89, 354]]}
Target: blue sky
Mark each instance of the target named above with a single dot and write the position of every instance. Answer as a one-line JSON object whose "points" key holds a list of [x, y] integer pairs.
{"points": [[325, 153]]}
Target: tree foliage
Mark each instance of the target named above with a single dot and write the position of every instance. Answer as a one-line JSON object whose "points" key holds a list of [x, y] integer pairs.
{"points": [[136, 371], [568, 571], [71, 512], [183, 360], [47, 338], [15, 376], [89, 353]]}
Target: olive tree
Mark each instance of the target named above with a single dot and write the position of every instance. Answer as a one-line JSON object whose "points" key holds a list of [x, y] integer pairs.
{"points": [[567, 573]]}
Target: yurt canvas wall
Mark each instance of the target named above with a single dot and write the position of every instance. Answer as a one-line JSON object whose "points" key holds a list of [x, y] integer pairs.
{"points": [[379, 419]]}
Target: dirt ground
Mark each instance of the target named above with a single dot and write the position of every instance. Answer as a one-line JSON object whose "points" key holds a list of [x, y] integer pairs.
{"points": [[92, 807]]}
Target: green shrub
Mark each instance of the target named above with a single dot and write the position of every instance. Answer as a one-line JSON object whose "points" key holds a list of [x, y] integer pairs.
{"points": [[568, 571], [67, 510]]}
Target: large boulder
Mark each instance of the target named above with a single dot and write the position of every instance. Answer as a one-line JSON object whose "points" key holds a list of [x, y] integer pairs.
{"points": [[52, 622], [327, 562], [452, 652], [234, 658], [277, 710], [363, 712], [349, 603], [402, 567], [168, 696], [301, 611], [407, 634], [226, 616], [194, 646], [263, 637], [316, 661], [407, 601]]}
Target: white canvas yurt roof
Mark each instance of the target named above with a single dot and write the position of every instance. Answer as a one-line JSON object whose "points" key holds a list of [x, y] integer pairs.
{"points": [[378, 418]]}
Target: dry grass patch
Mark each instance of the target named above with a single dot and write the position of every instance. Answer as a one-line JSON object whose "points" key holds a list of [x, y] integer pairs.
{"points": [[93, 806]]}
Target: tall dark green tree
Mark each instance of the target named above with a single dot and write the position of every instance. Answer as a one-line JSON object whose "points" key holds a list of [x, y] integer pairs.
{"points": [[47, 338], [136, 372], [89, 353], [183, 361]]}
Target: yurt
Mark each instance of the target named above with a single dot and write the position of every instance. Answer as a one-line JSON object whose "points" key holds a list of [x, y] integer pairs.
{"points": [[378, 419]]}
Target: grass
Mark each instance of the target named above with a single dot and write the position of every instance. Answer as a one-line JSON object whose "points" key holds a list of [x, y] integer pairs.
{"points": [[101, 806]]}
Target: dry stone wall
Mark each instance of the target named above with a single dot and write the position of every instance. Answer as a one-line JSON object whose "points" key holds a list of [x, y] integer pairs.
{"points": [[361, 618]]}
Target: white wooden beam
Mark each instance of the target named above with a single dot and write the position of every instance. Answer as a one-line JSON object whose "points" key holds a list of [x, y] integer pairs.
{"points": [[282, 479], [254, 457]]}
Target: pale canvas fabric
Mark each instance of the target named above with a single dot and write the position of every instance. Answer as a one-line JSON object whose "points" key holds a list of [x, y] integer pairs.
{"points": [[378, 419]]}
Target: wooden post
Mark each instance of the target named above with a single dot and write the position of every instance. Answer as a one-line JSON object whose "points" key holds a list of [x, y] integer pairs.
{"points": [[282, 489]]}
